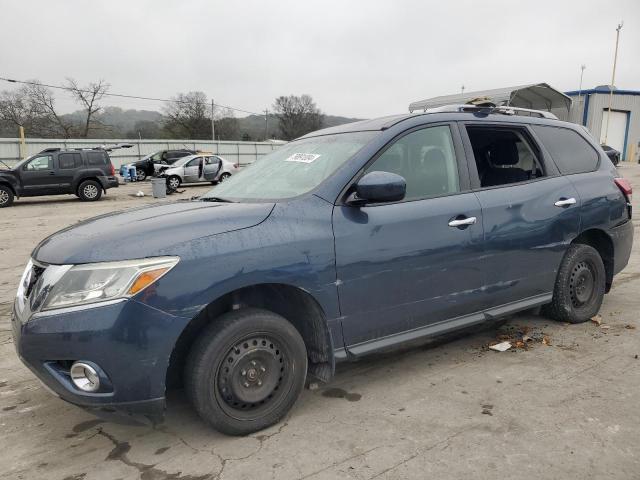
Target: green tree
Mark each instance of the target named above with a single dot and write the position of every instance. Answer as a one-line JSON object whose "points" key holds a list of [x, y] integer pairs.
{"points": [[297, 116]]}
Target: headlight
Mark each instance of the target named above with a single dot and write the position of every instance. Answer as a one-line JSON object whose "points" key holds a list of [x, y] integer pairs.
{"points": [[99, 282]]}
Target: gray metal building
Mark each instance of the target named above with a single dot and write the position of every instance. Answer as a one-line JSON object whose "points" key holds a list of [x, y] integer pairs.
{"points": [[590, 108]]}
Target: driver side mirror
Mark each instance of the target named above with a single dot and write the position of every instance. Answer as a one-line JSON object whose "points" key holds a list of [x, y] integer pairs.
{"points": [[378, 187]]}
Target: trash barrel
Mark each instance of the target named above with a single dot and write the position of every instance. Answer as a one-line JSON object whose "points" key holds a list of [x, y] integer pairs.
{"points": [[159, 187]]}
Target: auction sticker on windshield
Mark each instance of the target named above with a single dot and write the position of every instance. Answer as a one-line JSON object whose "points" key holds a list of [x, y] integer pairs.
{"points": [[302, 157]]}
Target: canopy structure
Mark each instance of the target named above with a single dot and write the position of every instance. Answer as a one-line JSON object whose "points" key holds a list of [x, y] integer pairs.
{"points": [[537, 96]]}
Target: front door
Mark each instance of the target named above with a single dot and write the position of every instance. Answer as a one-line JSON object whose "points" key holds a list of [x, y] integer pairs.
{"points": [[192, 170], [39, 176], [530, 213], [410, 264]]}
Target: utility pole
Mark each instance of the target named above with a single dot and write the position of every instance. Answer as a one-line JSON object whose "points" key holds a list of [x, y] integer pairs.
{"points": [[266, 124], [582, 67], [613, 79], [462, 88], [213, 126]]}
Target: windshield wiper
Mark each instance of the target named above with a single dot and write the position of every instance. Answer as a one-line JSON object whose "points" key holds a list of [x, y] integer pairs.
{"points": [[216, 199]]}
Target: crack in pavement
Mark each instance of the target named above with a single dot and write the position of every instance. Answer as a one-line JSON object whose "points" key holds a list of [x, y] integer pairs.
{"points": [[147, 472]]}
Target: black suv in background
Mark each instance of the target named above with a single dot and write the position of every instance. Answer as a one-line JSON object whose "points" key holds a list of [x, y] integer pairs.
{"points": [[145, 166], [53, 171]]}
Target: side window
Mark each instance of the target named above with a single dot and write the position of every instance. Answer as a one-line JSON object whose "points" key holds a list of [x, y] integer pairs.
{"points": [[211, 160], [43, 162], [193, 163], [68, 161], [504, 155], [571, 152], [427, 161], [97, 158]]}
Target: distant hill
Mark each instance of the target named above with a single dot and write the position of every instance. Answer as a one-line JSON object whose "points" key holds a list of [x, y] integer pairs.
{"points": [[254, 125], [116, 122]]}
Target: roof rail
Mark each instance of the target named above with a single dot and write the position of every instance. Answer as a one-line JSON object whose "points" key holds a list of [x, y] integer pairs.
{"points": [[501, 109]]}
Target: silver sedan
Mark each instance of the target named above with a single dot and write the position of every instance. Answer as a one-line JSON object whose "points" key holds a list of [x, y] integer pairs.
{"points": [[197, 168]]}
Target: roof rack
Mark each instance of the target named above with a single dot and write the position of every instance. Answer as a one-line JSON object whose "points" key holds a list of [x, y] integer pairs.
{"points": [[501, 109]]}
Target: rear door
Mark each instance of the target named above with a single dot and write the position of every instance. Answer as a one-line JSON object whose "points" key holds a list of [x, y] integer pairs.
{"points": [[530, 212], [69, 163], [39, 175], [411, 264], [211, 168]]}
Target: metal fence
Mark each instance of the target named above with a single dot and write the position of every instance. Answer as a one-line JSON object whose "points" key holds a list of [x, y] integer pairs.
{"points": [[242, 153]]}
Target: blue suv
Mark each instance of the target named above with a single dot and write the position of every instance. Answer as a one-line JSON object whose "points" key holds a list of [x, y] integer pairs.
{"points": [[347, 241]]}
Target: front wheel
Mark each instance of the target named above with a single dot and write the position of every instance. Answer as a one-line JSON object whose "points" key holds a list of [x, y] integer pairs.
{"points": [[246, 371], [6, 196], [89, 191], [173, 182], [580, 286], [141, 175]]}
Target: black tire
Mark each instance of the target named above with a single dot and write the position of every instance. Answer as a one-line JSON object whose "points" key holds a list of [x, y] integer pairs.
{"points": [[173, 182], [246, 371], [6, 196], [225, 176], [89, 191], [580, 286]]}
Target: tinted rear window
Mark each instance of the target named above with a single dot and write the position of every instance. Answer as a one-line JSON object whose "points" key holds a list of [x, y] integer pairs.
{"points": [[571, 152], [68, 161], [97, 158]]}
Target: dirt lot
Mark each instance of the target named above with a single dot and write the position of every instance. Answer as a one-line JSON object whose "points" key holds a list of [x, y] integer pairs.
{"points": [[566, 406]]}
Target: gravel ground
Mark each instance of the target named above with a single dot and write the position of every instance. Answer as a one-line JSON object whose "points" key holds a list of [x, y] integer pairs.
{"points": [[564, 405]]}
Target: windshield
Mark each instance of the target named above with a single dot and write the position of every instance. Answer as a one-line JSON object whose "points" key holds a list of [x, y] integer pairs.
{"points": [[295, 168], [181, 161]]}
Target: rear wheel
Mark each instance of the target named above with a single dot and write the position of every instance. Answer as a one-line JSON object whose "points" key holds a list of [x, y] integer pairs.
{"points": [[246, 371], [224, 176], [580, 286], [89, 191], [6, 196]]}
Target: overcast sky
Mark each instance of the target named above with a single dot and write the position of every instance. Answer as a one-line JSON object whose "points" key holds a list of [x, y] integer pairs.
{"points": [[356, 58]]}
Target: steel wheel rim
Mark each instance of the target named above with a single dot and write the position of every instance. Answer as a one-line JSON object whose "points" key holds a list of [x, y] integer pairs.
{"points": [[4, 197], [174, 183], [90, 191], [582, 284], [254, 376], [141, 176]]}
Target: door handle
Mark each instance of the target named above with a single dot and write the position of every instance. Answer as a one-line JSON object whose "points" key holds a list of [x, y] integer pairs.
{"points": [[565, 202], [462, 222]]}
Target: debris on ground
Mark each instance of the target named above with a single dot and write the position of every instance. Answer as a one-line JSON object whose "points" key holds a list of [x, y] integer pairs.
{"points": [[630, 327], [605, 327], [597, 319], [546, 340], [501, 347]]}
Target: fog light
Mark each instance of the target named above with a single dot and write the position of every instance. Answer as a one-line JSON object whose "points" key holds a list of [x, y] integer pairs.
{"points": [[85, 377]]}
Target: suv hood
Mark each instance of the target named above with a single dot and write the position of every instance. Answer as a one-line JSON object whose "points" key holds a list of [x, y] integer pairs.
{"points": [[147, 231]]}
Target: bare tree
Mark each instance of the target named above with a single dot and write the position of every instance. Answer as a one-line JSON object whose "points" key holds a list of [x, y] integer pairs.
{"points": [[32, 106], [88, 96], [188, 116], [297, 115]]}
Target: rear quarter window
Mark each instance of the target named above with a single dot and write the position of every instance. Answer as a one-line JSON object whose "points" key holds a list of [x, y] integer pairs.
{"points": [[569, 150], [97, 158]]}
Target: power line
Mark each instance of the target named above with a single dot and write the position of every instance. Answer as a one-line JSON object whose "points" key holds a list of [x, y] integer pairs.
{"points": [[121, 95]]}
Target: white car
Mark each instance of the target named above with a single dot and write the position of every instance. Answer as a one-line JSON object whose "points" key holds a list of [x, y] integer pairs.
{"points": [[197, 168]]}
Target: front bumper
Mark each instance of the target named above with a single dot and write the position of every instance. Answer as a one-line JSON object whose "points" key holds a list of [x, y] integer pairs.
{"points": [[130, 342]]}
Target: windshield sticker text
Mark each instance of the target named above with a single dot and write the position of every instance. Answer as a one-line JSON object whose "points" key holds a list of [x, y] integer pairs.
{"points": [[302, 157]]}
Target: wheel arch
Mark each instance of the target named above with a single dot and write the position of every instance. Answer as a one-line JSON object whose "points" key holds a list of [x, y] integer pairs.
{"points": [[293, 303], [11, 187], [603, 244], [78, 182]]}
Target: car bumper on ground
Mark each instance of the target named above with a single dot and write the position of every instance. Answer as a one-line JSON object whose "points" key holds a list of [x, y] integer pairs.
{"points": [[128, 342]]}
